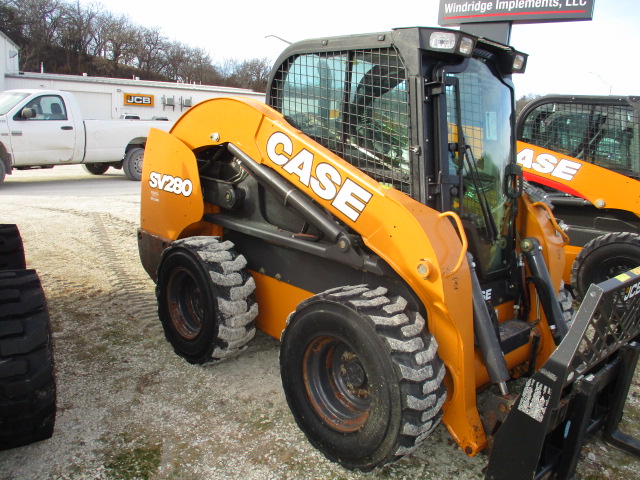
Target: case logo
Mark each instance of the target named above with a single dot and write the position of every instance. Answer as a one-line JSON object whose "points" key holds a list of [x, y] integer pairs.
{"points": [[323, 178], [563, 169]]}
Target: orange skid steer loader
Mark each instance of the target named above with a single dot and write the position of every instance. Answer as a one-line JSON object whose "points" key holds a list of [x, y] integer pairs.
{"points": [[372, 217], [584, 151]]}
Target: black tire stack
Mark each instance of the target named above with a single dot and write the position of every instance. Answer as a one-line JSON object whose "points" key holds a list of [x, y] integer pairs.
{"points": [[27, 382]]}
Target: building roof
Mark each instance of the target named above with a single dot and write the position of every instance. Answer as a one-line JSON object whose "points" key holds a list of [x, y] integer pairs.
{"points": [[125, 81]]}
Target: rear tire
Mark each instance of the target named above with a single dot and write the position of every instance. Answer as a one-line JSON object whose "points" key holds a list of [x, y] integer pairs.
{"points": [[96, 168], [27, 383], [206, 299], [132, 163], [361, 375], [604, 257], [3, 171]]}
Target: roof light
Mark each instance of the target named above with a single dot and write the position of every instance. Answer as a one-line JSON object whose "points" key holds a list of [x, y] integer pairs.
{"points": [[466, 46], [518, 62], [442, 40]]}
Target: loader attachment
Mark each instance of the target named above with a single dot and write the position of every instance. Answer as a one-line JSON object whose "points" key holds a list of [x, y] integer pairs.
{"points": [[581, 389]]}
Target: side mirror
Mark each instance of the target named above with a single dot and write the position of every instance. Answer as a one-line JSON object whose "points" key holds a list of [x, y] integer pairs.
{"points": [[28, 113]]}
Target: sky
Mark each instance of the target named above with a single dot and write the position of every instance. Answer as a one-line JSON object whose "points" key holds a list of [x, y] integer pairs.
{"points": [[598, 57]]}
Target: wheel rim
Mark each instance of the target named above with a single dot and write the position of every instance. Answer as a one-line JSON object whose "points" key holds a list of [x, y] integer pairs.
{"points": [[612, 267], [336, 383], [137, 163], [185, 304]]}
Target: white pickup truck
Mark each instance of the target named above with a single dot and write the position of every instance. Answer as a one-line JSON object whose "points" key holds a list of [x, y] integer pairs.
{"points": [[45, 128]]}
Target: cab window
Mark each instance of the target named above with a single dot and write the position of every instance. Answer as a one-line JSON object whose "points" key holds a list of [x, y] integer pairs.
{"points": [[606, 135], [44, 107], [355, 104]]}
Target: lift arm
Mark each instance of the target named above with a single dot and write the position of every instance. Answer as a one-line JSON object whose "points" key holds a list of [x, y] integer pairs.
{"points": [[602, 187]]}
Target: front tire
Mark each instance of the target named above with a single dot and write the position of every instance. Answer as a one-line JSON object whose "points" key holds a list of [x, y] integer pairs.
{"points": [[361, 375], [132, 164], [604, 257], [96, 168], [206, 299]]}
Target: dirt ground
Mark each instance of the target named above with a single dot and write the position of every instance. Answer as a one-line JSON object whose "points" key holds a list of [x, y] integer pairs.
{"points": [[129, 408]]}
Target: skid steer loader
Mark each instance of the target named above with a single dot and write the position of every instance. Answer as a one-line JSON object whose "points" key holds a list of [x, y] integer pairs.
{"points": [[372, 217], [585, 152]]}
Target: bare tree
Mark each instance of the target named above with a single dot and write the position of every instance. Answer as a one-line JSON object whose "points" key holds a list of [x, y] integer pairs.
{"points": [[74, 38], [77, 32], [522, 101], [119, 40], [199, 68], [150, 50], [10, 23], [40, 21], [252, 74], [176, 58]]}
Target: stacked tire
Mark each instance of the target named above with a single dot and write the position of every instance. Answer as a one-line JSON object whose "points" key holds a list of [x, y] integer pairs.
{"points": [[27, 382]]}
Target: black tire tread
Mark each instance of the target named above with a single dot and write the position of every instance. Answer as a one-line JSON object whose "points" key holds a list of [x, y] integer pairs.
{"points": [[236, 304], [11, 248], [27, 383], [96, 168], [413, 351], [566, 305], [603, 241]]}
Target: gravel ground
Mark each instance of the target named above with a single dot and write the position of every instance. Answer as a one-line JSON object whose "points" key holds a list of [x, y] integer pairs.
{"points": [[129, 408]]}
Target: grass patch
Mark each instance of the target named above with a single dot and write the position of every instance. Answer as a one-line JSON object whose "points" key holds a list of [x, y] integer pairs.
{"points": [[133, 459]]}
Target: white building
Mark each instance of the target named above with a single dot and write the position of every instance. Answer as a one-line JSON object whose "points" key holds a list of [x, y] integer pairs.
{"points": [[9, 60], [104, 98]]}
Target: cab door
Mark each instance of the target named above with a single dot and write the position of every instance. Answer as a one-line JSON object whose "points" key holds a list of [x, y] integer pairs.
{"points": [[42, 132]]}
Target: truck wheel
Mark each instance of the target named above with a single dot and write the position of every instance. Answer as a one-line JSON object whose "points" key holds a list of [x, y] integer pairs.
{"points": [[11, 249], [132, 164], [3, 171], [27, 384], [604, 257], [205, 299], [361, 375], [96, 168]]}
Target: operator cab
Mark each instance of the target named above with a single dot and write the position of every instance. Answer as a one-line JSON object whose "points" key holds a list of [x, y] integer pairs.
{"points": [[426, 111]]}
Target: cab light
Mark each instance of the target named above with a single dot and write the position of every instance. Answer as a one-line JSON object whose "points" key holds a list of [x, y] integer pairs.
{"points": [[466, 46], [442, 40], [518, 62]]}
